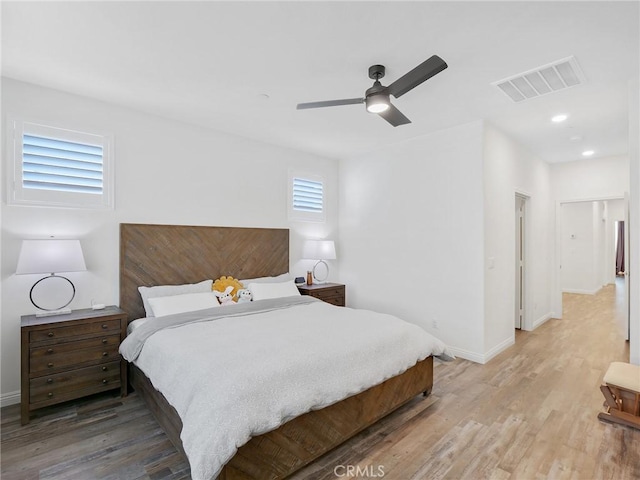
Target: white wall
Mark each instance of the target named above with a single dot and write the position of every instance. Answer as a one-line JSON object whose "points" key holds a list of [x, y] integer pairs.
{"points": [[510, 168], [602, 178], [166, 172], [578, 246], [598, 220], [411, 233], [434, 218]]}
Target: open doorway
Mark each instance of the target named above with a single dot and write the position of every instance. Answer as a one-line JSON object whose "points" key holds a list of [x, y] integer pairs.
{"points": [[622, 268], [592, 247]]}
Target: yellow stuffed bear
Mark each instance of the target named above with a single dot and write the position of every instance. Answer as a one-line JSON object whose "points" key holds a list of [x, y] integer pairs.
{"points": [[221, 284]]}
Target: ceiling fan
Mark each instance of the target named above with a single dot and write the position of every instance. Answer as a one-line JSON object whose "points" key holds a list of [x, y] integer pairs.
{"points": [[376, 98]]}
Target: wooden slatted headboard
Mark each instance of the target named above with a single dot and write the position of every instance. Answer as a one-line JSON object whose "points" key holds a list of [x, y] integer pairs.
{"points": [[153, 255]]}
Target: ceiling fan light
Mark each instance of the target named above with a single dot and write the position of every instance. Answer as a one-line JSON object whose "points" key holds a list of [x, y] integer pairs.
{"points": [[377, 107], [377, 103]]}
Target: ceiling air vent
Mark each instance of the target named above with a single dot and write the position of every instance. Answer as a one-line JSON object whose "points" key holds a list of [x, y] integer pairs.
{"points": [[549, 78]]}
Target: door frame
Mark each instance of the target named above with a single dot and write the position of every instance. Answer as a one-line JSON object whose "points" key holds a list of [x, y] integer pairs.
{"points": [[521, 248], [527, 317], [627, 290], [556, 294]]}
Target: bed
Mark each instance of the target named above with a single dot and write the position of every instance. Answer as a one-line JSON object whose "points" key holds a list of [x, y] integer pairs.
{"points": [[173, 255]]}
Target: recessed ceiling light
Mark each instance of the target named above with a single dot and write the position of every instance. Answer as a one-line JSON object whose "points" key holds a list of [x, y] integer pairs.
{"points": [[588, 153], [559, 118]]}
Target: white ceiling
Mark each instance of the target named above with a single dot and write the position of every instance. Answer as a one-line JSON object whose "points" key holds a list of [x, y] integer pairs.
{"points": [[211, 63]]}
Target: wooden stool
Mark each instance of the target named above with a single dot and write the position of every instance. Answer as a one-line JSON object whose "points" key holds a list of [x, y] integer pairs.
{"points": [[622, 394]]}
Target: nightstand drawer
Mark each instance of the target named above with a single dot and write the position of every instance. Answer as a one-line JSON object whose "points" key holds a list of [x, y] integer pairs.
{"points": [[328, 293], [339, 301], [49, 351], [53, 387], [56, 361], [56, 333]]}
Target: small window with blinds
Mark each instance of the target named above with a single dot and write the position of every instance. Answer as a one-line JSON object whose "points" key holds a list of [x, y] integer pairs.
{"points": [[59, 167], [306, 197]]}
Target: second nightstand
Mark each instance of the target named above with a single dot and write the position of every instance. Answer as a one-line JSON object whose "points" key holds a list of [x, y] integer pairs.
{"points": [[333, 293]]}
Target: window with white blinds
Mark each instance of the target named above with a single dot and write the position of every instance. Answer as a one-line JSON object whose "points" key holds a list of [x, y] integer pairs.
{"points": [[53, 164], [306, 197], [60, 167]]}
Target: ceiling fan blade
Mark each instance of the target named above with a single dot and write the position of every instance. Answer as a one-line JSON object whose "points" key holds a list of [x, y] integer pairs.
{"points": [[394, 116], [415, 77], [330, 103]]}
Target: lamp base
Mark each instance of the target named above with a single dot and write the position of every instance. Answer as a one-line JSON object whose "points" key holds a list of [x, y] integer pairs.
{"points": [[46, 295], [319, 277], [51, 313]]}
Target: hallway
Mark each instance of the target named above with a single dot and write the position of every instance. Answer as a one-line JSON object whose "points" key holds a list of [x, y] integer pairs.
{"points": [[606, 311]]}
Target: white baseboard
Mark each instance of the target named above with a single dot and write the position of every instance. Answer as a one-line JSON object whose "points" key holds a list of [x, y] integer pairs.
{"points": [[542, 319], [483, 358], [581, 292], [467, 355], [10, 398], [502, 346]]}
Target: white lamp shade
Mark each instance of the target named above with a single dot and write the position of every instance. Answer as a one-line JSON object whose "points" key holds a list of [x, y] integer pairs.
{"points": [[319, 250], [50, 256]]}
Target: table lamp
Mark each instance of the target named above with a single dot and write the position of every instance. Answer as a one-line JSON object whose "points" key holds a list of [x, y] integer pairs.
{"points": [[320, 250], [53, 293]]}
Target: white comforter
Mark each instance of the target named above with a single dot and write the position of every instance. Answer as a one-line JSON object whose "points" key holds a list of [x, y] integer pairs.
{"points": [[236, 377]]}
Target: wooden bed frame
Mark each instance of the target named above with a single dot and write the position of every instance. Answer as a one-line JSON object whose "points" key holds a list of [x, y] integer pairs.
{"points": [[174, 254]]}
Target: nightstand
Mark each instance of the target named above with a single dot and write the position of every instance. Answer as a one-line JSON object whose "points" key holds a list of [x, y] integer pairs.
{"points": [[333, 293], [65, 357]]}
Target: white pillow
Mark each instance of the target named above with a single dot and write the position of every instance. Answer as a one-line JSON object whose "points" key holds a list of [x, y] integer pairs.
{"points": [[168, 290], [188, 302], [276, 279], [262, 291]]}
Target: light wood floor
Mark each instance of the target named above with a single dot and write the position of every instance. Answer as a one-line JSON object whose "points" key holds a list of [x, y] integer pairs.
{"points": [[528, 414]]}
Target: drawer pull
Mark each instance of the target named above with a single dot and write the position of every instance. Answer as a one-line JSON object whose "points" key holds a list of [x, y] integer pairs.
{"points": [[105, 381], [50, 365], [49, 380], [50, 334], [104, 354], [104, 369], [49, 394], [104, 326], [104, 341], [50, 350]]}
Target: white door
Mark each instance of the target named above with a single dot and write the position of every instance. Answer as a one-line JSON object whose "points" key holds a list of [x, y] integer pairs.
{"points": [[520, 265]]}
